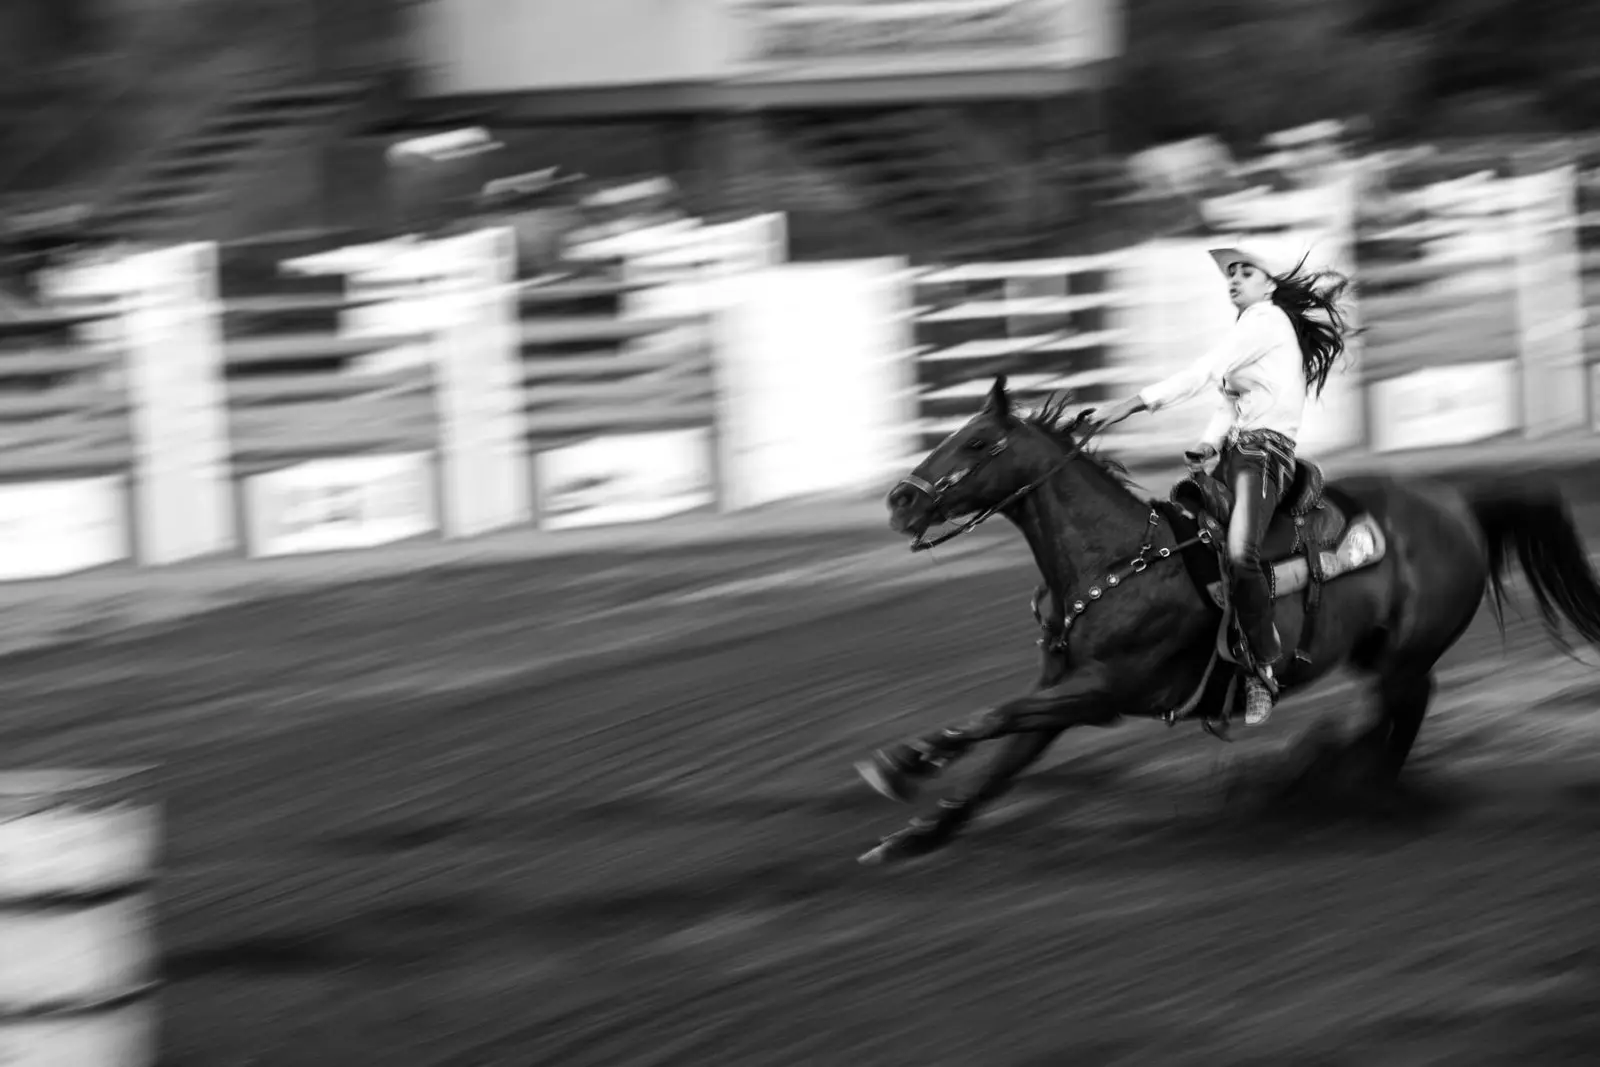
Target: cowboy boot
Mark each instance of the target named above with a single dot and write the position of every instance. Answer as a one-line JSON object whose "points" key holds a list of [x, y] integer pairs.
{"points": [[1252, 603]]}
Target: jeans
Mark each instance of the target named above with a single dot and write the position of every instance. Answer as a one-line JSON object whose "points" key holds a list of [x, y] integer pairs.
{"points": [[1256, 479]]}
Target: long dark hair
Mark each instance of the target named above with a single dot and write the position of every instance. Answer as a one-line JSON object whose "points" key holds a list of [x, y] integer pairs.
{"points": [[1311, 300]]}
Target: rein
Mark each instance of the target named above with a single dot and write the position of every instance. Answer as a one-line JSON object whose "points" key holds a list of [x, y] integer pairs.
{"points": [[936, 490]]}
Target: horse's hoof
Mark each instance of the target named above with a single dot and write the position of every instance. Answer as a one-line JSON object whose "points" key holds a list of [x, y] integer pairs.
{"points": [[875, 857], [892, 850], [916, 840], [884, 778]]}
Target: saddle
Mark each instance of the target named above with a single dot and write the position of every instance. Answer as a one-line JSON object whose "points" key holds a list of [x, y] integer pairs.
{"points": [[1202, 494], [1315, 535]]}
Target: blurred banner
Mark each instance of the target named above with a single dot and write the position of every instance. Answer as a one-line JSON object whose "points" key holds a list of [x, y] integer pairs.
{"points": [[494, 46], [338, 503], [802, 40], [633, 477], [501, 46], [1441, 406], [56, 527]]}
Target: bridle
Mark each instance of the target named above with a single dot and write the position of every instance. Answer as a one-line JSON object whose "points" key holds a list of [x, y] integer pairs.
{"points": [[935, 491]]}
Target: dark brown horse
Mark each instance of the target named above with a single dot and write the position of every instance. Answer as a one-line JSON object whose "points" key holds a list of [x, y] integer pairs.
{"points": [[1390, 572]]}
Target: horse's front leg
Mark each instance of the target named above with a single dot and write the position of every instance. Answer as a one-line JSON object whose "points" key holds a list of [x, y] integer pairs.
{"points": [[1029, 725], [898, 771]]}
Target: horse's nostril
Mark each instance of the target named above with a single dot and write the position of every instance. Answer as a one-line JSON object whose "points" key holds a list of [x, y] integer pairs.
{"points": [[899, 497]]}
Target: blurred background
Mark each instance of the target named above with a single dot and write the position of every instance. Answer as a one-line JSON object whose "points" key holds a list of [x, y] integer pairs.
{"points": [[95, 88], [1406, 139], [445, 441]]}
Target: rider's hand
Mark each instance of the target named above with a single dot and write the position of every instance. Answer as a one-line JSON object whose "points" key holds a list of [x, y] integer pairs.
{"points": [[1201, 458]]}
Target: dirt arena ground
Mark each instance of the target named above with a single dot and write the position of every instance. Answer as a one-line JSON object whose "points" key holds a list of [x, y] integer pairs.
{"points": [[598, 810]]}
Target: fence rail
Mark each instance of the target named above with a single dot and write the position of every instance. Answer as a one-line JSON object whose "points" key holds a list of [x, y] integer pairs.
{"points": [[420, 390]]}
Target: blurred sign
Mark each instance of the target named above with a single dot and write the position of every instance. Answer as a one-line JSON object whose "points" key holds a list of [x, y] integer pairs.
{"points": [[797, 40], [625, 478], [470, 47], [59, 527], [1442, 406], [352, 502], [513, 46]]}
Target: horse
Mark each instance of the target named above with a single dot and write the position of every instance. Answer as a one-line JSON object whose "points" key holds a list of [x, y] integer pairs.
{"points": [[1391, 573]]}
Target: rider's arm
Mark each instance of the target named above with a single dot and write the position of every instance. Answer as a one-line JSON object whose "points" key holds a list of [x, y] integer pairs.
{"points": [[1244, 343], [1185, 385]]}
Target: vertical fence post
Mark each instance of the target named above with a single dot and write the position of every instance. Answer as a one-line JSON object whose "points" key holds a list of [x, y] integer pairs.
{"points": [[483, 451], [177, 391], [1549, 296]]}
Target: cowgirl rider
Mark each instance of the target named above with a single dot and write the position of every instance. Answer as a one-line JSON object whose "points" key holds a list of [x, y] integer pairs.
{"points": [[1288, 334]]}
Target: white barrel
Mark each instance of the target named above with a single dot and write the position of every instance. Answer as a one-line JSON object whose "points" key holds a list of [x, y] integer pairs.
{"points": [[78, 962]]}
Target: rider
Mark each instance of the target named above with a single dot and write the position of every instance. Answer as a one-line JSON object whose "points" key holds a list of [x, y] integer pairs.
{"points": [[1288, 334]]}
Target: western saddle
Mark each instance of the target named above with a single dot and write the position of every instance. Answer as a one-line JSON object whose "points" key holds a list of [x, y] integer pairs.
{"points": [[1306, 523]]}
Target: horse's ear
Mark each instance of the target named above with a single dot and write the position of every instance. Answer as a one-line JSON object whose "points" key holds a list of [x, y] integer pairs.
{"points": [[999, 402]]}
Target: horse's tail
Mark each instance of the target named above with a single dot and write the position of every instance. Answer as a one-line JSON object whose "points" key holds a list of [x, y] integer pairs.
{"points": [[1535, 523]]}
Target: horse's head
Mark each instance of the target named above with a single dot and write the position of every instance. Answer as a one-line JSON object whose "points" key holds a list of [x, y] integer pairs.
{"points": [[973, 473]]}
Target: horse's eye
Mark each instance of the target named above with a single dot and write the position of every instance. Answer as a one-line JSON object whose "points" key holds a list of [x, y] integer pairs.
{"points": [[976, 444]]}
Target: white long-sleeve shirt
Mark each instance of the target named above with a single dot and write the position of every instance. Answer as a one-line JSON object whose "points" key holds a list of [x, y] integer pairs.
{"points": [[1256, 369]]}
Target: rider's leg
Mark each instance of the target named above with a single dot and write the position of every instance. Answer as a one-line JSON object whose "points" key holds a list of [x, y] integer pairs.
{"points": [[1254, 500]]}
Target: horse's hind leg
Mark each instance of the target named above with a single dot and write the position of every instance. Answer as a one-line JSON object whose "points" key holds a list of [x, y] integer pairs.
{"points": [[1403, 684], [1375, 757], [1403, 699]]}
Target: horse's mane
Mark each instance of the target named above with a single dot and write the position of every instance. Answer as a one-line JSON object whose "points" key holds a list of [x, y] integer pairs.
{"points": [[1051, 417]]}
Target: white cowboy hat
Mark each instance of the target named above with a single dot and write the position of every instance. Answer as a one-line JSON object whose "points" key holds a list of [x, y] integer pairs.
{"points": [[1272, 265]]}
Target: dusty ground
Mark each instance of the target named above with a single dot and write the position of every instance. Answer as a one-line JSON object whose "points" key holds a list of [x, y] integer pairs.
{"points": [[598, 810]]}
